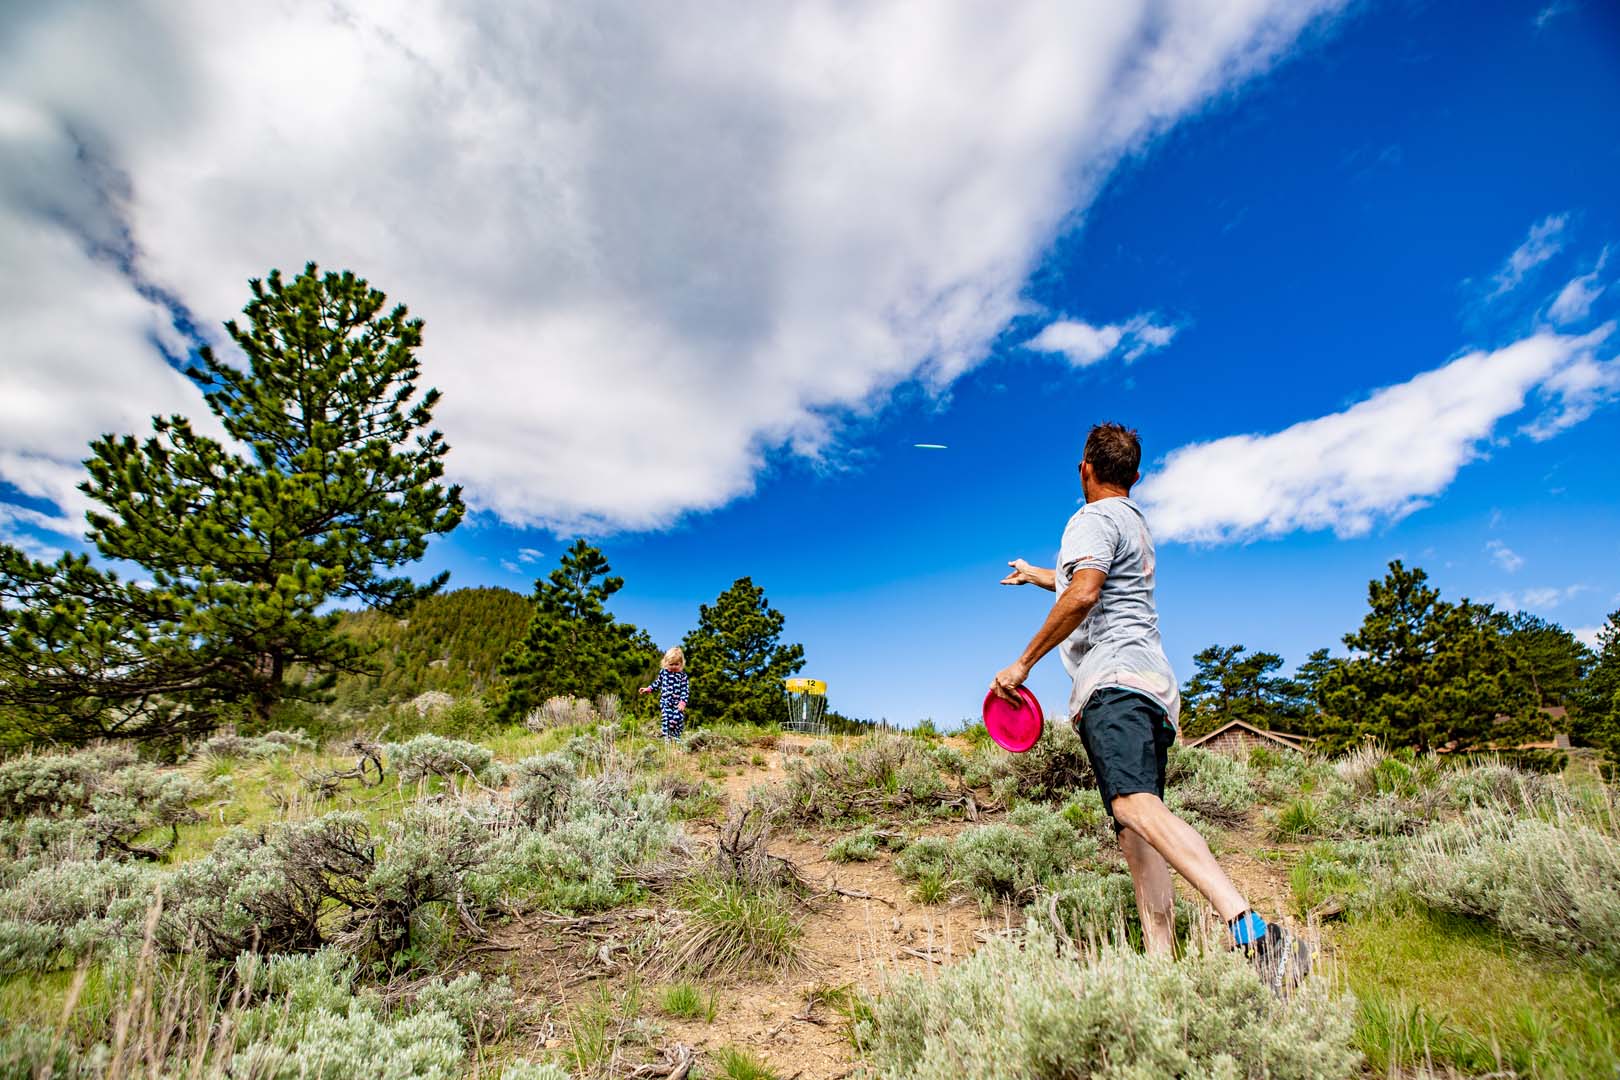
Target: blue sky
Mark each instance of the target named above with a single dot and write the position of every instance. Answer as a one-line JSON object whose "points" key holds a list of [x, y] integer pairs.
{"points": [[1388, 231]]}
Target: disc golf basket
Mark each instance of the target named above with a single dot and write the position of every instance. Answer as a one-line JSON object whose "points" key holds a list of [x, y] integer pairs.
{"points": [[806, 706]]}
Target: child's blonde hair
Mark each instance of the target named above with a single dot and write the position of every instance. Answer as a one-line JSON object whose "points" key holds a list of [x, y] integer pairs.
{"points": [[674, 658]]}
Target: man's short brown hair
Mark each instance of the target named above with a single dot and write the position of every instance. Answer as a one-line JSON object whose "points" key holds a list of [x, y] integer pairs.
{"points": [[1115, 454]]}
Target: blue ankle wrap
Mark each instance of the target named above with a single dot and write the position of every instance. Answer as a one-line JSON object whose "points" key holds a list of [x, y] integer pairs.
{"points": [[1248, 928]]}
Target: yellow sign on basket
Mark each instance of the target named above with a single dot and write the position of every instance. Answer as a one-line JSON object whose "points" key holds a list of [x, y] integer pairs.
{"points": [[806, 686]]}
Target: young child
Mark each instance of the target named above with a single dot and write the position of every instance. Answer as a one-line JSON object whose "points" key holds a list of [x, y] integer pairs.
{"points": [[673, 692]]}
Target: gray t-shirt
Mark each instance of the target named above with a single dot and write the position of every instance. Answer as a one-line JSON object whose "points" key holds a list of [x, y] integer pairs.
{"points": [[1118, 642]]}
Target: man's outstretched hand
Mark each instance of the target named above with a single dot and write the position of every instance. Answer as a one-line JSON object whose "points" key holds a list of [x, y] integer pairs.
{"points": [[1022, 574], [1007, 682]]}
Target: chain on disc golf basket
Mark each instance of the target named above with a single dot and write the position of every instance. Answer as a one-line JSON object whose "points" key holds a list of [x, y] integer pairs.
{"points": [[806, 706]]}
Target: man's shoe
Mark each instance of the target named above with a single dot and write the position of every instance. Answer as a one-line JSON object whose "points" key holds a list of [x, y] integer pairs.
{"points": [[1282, 959]]}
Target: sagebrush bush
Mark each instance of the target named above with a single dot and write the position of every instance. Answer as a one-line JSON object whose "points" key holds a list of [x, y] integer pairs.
{"points": [[270, 744], [1002, 861], [63, 912], [529, 1070], [1554, 884], [1217, 787], [880, 775], [435, 755], [54, 785], [1101, 907], [1053, 769], [90, 803], [562, 711], [863, 845], [484, 1009], [577, 866], [1031, 1008], [541, 789], [356, 1045]]}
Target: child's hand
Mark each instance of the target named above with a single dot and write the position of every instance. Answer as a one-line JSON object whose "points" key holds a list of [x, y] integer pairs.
{"points": [[645, 690], [681, 705]]}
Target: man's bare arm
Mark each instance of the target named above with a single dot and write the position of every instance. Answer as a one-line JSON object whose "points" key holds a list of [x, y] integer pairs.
{"points": [[1025, 574], [1068, 612]]}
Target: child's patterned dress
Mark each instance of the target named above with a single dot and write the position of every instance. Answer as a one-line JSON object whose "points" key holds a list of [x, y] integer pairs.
{"points": [[673, 689]]}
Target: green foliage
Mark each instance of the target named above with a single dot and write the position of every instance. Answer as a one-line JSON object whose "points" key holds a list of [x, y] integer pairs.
{"points": [[1030, 1008], [1300, 819], [1345, 874], [573, 646], [1597, 716], [246, 551], [1427, 673], [734, 658], [686, 1001], [1440, 994], [451, 642], [735, 1063], [1554, 884], [732, 925], [1551, 656], [1230, 683]]}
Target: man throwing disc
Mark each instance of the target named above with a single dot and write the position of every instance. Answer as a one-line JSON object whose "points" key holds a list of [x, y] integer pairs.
{"points": [[1125, 704]]}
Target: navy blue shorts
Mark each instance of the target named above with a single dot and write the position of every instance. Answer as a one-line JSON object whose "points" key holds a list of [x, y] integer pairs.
{"points": [[1127, 737]]}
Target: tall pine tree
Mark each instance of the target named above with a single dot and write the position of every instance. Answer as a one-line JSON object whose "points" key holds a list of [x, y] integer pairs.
{"points": [[735, 660], [327, 483], [573, 645], [1427, 673]]}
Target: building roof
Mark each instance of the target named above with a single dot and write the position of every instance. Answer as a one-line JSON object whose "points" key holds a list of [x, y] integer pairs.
{"points": [[1292, 742]]}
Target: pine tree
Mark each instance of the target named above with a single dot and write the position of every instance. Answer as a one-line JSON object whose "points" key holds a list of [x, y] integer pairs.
{"points": [[1552, 656], [1229, 685], [330, 481], [735, 661], [1427, 673], [1597, 702], [573, 645]]}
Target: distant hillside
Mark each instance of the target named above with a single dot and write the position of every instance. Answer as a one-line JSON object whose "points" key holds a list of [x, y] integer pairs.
{"points": [[451, 642]]}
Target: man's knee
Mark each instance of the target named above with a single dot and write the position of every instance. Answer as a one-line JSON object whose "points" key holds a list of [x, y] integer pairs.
{"points": [[1135, 810]]}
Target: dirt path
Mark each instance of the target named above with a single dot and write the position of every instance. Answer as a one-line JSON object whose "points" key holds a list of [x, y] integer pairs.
{"points": [[850, 942]]}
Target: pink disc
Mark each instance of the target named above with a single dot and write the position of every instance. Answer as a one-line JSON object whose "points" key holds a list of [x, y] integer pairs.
{"points": [[1013, 727]]}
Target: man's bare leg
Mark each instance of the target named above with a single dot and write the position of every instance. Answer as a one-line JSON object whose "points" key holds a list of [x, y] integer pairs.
{"points": [[1155, 896], [1145, 814]]}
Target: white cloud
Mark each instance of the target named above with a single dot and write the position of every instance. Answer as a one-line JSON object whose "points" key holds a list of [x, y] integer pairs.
{"points": [[649, 246], [1085, 344], [1575, 300], [529, 555], [1505, 557], [1539, 599], [1546, 239], [1378, 460], [1552, 11], [1588, 636], [511, 567]]}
